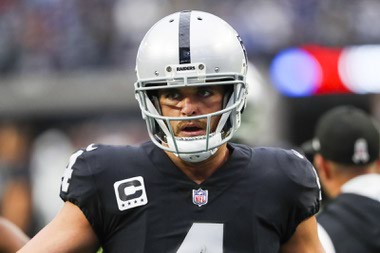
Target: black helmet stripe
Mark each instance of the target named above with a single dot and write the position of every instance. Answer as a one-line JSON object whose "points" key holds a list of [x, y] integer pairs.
{"points": [[184, 37]]}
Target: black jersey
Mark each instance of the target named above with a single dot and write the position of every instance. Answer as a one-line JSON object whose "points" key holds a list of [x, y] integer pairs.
{"points": [[353, 223], [138, 201]]}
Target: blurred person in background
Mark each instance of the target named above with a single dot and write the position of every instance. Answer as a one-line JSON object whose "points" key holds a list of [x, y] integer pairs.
{"points": [[15, 190], [346, 156], [188, 189], [12, 238], [48, 154]]}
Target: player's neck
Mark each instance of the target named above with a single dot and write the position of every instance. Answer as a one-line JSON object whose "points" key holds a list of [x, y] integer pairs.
{"points": [[199, 172]]}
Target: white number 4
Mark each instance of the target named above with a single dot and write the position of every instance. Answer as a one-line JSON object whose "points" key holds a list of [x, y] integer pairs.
{"points": [[203, 238], [69, 171]]}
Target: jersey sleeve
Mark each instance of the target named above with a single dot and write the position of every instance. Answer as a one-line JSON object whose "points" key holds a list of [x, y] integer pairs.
{"points": [[78, 187], [304, 192]]}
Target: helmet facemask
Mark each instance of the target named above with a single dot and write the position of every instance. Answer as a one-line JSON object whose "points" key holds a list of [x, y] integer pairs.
{"points": [[198, 148]]}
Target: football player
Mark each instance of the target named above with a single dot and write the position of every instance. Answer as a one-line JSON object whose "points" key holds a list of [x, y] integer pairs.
{"points": [[188, 189]]}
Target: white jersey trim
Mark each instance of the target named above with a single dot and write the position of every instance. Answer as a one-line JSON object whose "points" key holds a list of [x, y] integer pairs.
{"points": [[325, 240]]}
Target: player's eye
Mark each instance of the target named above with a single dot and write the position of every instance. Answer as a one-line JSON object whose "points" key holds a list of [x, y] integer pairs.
{"points": [[205, 92], [171, 94]]}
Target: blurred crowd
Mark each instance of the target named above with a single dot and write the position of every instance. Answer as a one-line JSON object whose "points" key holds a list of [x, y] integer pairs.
{"points": [[64, 35]]}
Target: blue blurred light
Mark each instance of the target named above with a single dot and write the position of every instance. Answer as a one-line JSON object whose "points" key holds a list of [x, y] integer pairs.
{"points": [[295, 73]]}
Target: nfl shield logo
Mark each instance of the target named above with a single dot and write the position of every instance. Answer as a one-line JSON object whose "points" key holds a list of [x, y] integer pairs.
{"points": [[200, 197]]}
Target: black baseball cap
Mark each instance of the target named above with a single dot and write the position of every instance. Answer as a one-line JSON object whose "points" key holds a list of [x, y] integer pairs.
{"points": [[346, 135]]}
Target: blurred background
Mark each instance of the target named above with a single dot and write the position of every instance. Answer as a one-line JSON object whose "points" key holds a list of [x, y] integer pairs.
{"points": [[67, 75]]}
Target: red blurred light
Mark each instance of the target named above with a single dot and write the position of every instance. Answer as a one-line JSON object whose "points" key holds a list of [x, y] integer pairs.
{"points": [[328, 59]]}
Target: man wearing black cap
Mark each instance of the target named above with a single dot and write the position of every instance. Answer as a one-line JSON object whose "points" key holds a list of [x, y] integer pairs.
{"points": [[346, 156]]}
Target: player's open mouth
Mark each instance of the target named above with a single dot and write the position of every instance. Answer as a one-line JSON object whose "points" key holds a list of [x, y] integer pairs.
{"points": [[189, 131]]}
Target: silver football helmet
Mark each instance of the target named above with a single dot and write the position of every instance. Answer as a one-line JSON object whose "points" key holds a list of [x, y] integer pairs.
{"points": [[191, 48]]}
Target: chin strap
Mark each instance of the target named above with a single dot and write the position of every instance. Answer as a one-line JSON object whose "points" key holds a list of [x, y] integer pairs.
{"points": [[189, 147], [196, 158]]}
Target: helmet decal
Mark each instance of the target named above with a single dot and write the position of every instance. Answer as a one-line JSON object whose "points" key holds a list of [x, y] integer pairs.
{"points": [[184, 37]]}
